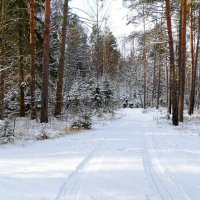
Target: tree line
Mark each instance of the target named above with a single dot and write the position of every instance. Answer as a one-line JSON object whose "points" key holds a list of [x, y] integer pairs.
{"points": [[54, 63], [168, 51], [49, 62]]}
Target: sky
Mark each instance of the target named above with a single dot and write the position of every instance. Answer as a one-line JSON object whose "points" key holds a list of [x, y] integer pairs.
{"points": [[117, 19]]}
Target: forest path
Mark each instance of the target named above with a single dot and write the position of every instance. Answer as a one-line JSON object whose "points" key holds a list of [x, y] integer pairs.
{"points": [[131, 158]]}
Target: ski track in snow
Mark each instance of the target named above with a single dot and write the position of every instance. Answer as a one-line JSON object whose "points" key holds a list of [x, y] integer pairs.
{"points": [[160, 181], [131, 158], [75, 187], [149, 172], [174, 190]]}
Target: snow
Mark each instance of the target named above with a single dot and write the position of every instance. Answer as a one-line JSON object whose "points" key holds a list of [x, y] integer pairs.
{"points": [[132, 157]]}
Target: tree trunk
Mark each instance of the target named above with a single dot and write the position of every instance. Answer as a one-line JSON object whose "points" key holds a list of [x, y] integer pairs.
{"points": [[59, 89], [145, 78], [169, 104], [144, 62], [178, 52], [32, 58], [159, 79], [154, 80], [182, 71], [2, 61], [198, 38], [192, 67], [196, 55], [45, 67], [20, 61], [172, 66]]}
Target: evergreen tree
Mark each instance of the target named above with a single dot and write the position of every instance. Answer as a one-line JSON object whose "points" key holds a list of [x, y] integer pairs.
{"points": [[45, 69]]}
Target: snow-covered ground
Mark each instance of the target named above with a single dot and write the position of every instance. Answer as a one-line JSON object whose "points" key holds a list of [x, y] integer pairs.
{"points": [[129, 158]]}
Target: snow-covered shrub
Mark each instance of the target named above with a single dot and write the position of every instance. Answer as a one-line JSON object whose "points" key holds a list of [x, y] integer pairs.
{"points": [[42, 136], [84, 122], [6, 132]]}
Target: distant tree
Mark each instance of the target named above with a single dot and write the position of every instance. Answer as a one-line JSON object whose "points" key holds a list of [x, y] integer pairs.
{"points": [[111, 54], [97, 44], [77, 54], [144, 59]]}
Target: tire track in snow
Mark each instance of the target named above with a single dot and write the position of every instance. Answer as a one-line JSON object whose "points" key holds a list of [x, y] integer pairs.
{"points": [[76, 187]]}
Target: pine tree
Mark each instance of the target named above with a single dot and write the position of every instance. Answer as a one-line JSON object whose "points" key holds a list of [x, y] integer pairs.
{"points": [[45, 68], [32, 58], [182, 66], [172, 66], [59, 88], [2, 46], [21, 45]]}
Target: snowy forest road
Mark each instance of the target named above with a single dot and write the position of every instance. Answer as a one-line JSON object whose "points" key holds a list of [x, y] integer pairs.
{"points": [[131, 158]]}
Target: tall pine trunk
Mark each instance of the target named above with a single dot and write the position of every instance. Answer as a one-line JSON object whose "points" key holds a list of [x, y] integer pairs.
{"points": [[2, 60], [154, 80], [32, 58], [182, 69], [169, 104], [178, 52], [197, 53], [192, 67], [45, 67], [20, 60], [172, 66], [159, 78], [59, 88], [198, 39], [144, 62]]}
